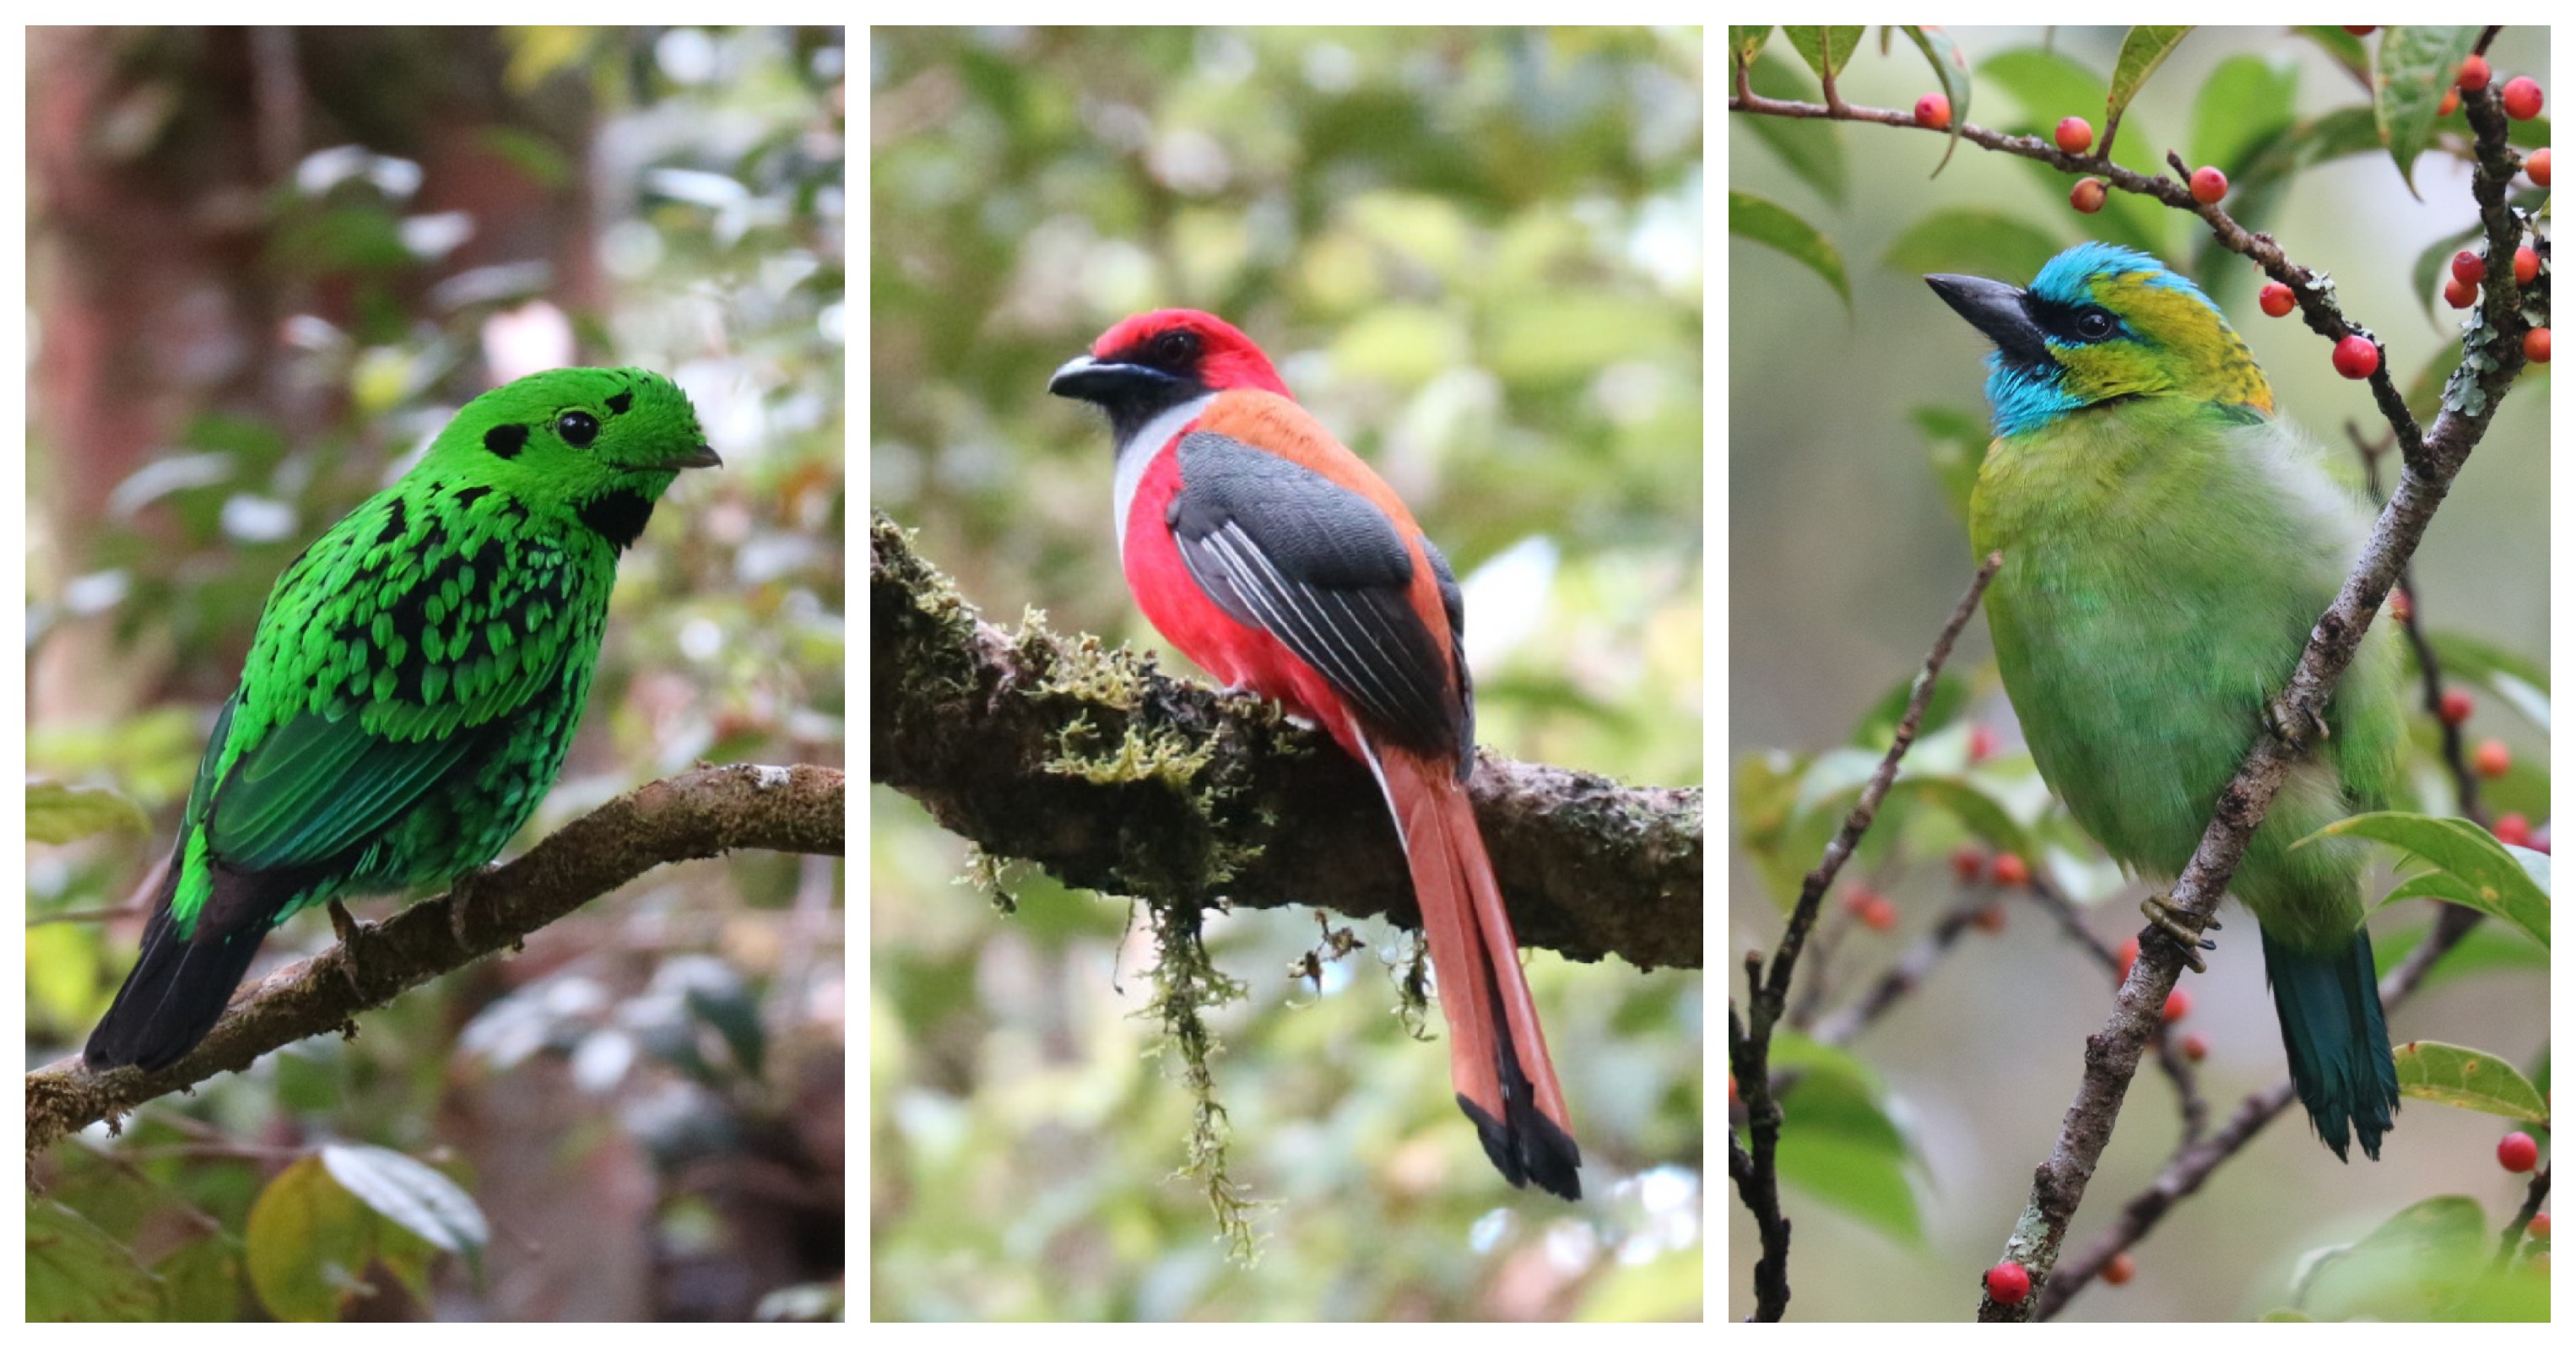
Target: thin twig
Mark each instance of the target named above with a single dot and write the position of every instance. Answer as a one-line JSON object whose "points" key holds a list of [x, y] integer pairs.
{"points": [[1757, 1176], [1901, 977], [2514, 1231]]}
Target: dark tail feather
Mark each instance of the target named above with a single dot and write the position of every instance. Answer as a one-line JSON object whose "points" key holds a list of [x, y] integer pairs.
{"points": [[174, 995], [2336, 1038]]}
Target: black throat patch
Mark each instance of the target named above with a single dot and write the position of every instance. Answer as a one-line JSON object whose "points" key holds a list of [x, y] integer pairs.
{"points": [[619, 517]]}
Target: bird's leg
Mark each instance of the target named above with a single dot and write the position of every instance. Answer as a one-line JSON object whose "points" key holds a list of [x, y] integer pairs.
{"points": [[2174, 922], [351, 932], [2298, 731]]}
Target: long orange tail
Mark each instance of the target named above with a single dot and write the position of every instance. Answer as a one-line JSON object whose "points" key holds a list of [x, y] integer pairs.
{"points": [[1497, 1056]]}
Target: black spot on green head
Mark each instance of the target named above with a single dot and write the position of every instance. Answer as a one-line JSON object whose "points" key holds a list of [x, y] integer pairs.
{"points": [[506, 440], [618, 516], [618, 403]]}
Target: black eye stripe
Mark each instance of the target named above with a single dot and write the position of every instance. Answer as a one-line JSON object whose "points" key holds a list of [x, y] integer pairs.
{"points": [[506, 440]]}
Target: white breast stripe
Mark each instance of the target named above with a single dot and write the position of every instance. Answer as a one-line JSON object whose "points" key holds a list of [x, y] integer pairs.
{"points": [[1137, 452]]}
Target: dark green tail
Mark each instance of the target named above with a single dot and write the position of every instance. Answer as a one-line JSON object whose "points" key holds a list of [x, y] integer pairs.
{"points": [[2336, 1038], [176, 991]]}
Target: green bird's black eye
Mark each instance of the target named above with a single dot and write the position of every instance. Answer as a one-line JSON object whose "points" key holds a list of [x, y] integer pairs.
{"points": [[577, 428], [2093, 325]]}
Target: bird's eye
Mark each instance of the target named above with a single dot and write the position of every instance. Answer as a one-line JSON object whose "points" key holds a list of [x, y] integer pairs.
{"points": [[1179, 348], [2093, 325], [577, 428]]}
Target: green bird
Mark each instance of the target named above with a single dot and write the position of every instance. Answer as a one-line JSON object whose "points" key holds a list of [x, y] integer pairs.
{"points": [[2169, 543], [414, 681]]}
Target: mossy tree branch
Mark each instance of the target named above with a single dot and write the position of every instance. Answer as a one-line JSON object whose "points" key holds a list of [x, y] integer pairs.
{"points": [[1113, 776], [705, 813]]}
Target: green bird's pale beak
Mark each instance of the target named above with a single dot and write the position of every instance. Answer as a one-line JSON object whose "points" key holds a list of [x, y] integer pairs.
{"points": [[698, 457], [1997, 310]]}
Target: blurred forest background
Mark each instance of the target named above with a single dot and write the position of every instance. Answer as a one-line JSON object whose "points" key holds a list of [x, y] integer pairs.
{"points": [[1476, 254], [1845, 553], [265, 267]]}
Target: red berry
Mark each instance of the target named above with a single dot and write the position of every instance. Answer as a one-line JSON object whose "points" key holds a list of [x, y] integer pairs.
{"points": [[1969, 862], [2537, 165], [2008, 1283], [2518, 1153], [2195, 1047], [2535, 346], [2514, 829], [2075, 135], [1732, 1095], [2207, 185], [2450, 103], [1932, 110], [2468, 267], [2457, 705], [2177, 1006], [2526, 264], [1989, 919], [2474, 74], [2010, 870], [2276, 299], [1859, 898], [2088, 195], [2539, 1227], [2122, 1267], [2355, 357], [2400, 606], [2492, 759], [2522, 98], [2128, 956], [2459, 295], [1981, 744], [1880, 915]]}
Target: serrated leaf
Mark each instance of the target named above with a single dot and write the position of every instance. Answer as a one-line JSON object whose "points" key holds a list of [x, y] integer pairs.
{"points": [[78, 1272], [1811, 147], [1977, 242], [1950, 66], [61, 814], [2510, 884], [414, 1196], [2415, 63], [1825, 50], [2465, 1078], [1751, 217], [2144, 48], [2246, 102]]}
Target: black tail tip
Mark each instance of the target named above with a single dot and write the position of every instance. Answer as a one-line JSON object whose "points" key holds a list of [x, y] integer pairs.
{"points": [[1530, 1149]]}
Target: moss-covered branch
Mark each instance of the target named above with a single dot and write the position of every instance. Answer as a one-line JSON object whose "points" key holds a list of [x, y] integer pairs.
{"points": [[1113, 776], [699, 814]]}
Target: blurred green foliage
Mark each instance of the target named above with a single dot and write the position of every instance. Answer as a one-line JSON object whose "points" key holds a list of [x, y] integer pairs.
{"points": [[1476, 255], [700, 174]]}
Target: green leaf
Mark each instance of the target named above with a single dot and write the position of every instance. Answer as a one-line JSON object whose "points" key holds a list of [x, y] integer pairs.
{"points": [[1812, 147], [1877, 729], [1950, 66], [414, 1196], [2488, 948], [75, 1271], [2510, 884], [308, 1243], [2465, 1078], [2415, 64], [1958, 448], [1837, 1143], [1751, 217], [2427, 1262], [2049, 87], [1982, 814], [202, 1280], [2467, 657], [2346, 49], [60, 814], [1977, 242], [2246, 102], [1745, 40], [2141, 51], [1825, 50]]}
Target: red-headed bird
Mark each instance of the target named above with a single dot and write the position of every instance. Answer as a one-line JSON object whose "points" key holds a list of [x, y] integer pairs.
{"points": [[1271, 555]]}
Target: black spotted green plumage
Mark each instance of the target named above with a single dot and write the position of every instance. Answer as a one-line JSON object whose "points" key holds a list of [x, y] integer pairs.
{"points": [[414, 682]]}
